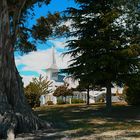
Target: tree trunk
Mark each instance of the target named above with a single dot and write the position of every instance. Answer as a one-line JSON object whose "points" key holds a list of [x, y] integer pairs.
{"points": [[15, 114], [108, 97], [88, 97], [62, 98], [65, 99]]}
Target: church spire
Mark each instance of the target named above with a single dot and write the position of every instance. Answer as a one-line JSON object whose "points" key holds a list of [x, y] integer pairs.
{"points": [[52, 71], [53, 60], [53, 56]]}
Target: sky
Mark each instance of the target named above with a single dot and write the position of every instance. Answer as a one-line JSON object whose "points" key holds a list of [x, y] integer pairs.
{"points": [[34, 63]]}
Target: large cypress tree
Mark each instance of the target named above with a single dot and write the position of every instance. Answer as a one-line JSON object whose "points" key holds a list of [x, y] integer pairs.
{"points": [[107, 43], [15, 114]]}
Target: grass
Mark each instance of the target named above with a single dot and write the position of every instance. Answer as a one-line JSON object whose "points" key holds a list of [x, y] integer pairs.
{"points": [[92, 122]]}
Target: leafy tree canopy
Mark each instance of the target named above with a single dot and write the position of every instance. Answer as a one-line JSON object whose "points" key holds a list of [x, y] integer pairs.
{"points": [[24, 38], [62, 91], [36, 88]]}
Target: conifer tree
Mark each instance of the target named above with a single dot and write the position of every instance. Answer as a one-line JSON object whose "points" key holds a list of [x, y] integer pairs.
{"points": [[107, 43]]}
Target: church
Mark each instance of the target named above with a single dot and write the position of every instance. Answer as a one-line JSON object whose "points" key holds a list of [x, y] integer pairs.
{"points": [[58, 78]]}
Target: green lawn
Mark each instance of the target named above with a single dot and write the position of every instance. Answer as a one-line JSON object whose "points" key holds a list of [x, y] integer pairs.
{"points": [[92, 122]]}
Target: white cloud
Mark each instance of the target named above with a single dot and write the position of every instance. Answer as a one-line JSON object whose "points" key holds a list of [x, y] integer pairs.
{"points": [[26, 79], [42, 59], [59, 44]]}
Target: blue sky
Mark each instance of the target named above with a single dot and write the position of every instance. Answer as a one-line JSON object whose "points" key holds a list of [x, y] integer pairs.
{"points": [[32, 64]]}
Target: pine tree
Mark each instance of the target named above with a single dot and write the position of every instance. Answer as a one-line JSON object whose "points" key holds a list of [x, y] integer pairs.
{"points": [[106, 47]]}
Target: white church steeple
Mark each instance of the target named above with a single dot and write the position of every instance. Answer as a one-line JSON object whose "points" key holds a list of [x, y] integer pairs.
{"points": [[52, 71], [53, 64], [53, 56]]}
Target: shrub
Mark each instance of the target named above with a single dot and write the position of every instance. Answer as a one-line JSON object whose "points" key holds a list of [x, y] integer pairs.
{"points": [[62, 91], [60, 102], [132, 96], [36, 88], [50, 103], [131, 90], [76, 101], [32, 99]]}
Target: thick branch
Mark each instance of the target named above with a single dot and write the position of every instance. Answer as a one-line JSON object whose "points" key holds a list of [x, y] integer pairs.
{"points": [[4, 23], [16, 19]]}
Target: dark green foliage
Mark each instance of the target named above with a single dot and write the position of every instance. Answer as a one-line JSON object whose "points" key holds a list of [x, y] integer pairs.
{"points": [[107, 43], [133, 96], [102, 42], [48, 26], [32, 96], [76, 101], [25, 37], [132, 91], [19, 11], [60, 102], [85, 85]]}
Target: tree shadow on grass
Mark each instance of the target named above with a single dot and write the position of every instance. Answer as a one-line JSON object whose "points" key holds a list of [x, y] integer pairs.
{"points": [[41, 135], [77, 121]]}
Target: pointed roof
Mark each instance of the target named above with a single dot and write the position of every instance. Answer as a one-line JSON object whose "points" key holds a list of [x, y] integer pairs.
{"points": [[53, 65], [53, 56]]}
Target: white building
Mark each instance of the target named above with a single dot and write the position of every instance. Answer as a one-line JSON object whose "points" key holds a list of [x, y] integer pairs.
{"points": [[58, 78]]}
